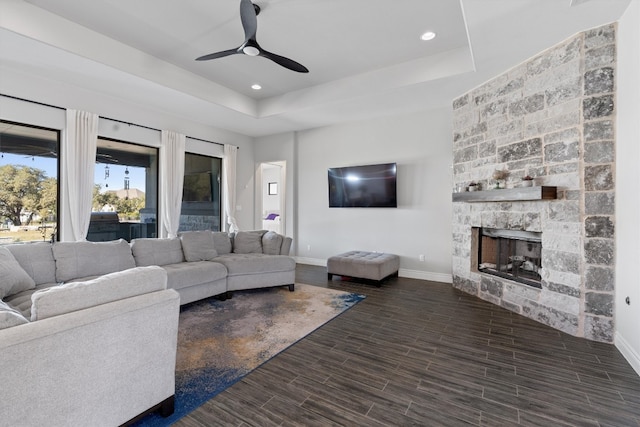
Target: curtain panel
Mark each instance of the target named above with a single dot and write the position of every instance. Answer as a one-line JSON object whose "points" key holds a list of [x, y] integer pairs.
{"points": [[171, 180], [80, 153], [229, 185]]}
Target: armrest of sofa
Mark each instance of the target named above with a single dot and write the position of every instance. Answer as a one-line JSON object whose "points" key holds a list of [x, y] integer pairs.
{"points": [[286, 245], [102, 365]]}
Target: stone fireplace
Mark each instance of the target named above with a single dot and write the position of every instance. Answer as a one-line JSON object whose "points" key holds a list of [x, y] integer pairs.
{"points": [[551, 117]]}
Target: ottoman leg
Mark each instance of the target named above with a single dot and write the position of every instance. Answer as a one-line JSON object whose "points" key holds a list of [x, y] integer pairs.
{"points": [[329, 276], [292, 287]]}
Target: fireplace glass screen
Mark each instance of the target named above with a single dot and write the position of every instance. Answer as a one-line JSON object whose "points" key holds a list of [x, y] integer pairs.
{"points": [[511, 254]]}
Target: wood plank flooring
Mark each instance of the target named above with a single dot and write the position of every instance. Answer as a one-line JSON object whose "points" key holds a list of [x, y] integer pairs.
{"points": [[422, 353]]}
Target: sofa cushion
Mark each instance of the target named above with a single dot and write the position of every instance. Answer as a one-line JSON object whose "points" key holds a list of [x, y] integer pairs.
{"points": [[13, 278], [271, 243], [238, 264], [82, 259], [37, 260], [22, 300], [222, 242], [111, 287], [186, 274], [150, 251], [198, 245], [10, 317], [248, 242]]}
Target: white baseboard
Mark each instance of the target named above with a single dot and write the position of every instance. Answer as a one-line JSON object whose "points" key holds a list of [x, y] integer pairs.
{"points": [[628, 352], [425, 275], [311, 261], [403, 272]]}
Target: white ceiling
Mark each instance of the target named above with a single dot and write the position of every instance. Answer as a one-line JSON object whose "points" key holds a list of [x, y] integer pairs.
{"points": [[365, 58]]}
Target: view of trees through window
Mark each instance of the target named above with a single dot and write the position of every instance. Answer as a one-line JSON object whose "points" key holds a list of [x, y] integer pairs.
{"points": [[125, 191], [28, 183]]}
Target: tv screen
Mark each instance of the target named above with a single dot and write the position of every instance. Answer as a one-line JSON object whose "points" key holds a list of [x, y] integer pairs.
{"points": [[369, 186]]}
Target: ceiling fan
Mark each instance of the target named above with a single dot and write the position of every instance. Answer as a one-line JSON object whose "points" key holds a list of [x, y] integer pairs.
{"points": [[248, 14]]}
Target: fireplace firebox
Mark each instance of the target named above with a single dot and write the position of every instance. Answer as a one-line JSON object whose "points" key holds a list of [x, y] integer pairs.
{"points": [[511, 254]]}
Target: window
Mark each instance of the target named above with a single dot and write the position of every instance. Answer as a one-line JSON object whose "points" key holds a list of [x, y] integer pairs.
{"points": [[201, 193], [28, 183], [125, 196]]}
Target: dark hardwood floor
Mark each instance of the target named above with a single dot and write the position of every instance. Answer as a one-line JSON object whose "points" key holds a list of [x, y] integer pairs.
{"points": [[422, 353]]}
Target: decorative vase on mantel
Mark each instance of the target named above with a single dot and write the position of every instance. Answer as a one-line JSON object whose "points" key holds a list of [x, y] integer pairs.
{"points": [[527, 181], [500, 176]]}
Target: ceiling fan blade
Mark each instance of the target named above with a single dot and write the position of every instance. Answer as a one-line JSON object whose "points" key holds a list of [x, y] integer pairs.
{"points": [[218, 54], [248, 18], [285, 62]]}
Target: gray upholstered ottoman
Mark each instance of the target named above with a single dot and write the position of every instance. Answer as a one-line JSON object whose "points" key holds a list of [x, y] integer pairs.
{"points": [[364, 265]]}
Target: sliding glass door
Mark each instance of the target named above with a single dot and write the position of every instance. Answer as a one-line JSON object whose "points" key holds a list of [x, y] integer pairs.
{"points": [[201, 193], [125, 195], [28, 183]]}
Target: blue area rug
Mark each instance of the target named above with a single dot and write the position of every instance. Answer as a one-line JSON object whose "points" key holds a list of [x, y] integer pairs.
{"points": [[219, 342]]}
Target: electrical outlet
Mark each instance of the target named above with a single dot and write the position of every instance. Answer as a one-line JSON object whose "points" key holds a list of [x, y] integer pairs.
{"points": [[308, 247], [421, 257]]}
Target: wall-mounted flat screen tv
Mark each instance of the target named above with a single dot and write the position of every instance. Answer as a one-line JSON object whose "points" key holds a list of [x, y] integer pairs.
{"points": [[368, 186]]}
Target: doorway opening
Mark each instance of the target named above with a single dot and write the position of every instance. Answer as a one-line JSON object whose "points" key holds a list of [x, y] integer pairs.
{"points": [[272, 196]]}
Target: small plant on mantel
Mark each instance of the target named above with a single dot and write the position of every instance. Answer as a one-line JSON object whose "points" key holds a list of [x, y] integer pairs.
{"points": [[500, 174]]}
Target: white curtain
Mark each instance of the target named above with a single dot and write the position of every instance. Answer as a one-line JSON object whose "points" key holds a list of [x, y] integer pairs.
{"points": [[80, 154], [229, 191], [171, 180]]}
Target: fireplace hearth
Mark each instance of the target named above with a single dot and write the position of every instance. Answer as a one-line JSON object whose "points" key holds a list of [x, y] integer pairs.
{"points": [[511, 254]]}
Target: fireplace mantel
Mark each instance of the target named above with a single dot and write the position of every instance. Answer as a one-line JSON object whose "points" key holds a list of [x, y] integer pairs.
{"points": [[508, 195]]}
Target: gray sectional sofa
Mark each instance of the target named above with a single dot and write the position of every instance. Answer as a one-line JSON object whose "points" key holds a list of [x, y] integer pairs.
{"points": [[88, 330]]}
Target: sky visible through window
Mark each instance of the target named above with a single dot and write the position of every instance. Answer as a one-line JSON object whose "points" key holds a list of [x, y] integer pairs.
{"points": [[115, 180]]}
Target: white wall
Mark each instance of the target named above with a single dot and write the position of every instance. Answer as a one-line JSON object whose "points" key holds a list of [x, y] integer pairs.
{"points": [[420, 144], [627, 185]]}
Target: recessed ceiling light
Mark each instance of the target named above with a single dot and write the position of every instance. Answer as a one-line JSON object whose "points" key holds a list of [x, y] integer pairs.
{"points": [[256, 86], [429, 35]]}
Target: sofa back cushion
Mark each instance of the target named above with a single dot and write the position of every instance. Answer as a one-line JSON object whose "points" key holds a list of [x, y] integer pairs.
{"points": [[198, 245], [111, 287], [222, 242], [248, 242], [148, 251], [10, 317], [84, 259], [271, 243], [37, 260], [13, 278]]}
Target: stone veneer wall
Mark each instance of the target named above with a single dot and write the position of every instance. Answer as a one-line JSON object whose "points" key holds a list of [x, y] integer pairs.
{"points": [[551, 117]]}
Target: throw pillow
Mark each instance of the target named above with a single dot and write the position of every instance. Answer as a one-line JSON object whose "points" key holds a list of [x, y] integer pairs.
{"points": [[10, 317], [247, 242], [271, 243], [222, 242], [198, 245], [13, 278]]}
